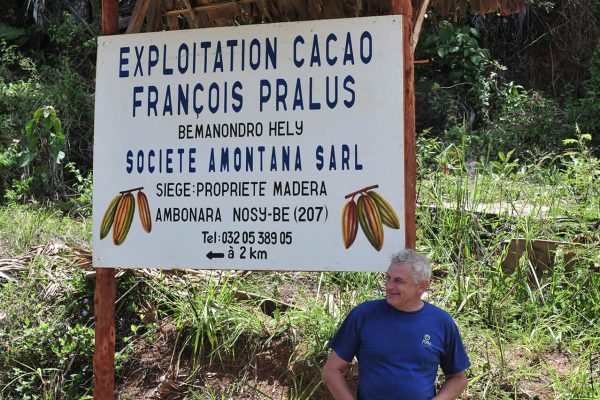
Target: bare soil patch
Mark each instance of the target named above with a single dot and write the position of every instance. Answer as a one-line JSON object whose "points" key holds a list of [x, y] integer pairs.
{"points": [[161, 370]]}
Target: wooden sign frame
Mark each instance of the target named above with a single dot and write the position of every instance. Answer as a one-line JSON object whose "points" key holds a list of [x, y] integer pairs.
{"points": [[105, 287]]}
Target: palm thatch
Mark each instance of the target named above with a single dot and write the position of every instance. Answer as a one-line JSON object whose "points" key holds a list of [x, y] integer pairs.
{"points": [[155, 15]]}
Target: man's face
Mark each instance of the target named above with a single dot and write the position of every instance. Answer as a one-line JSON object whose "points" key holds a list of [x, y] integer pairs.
{"points": [[401, 290]]}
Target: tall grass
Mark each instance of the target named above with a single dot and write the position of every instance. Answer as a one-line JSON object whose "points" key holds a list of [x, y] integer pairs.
{"points": [[469, 211], [22, 226]]}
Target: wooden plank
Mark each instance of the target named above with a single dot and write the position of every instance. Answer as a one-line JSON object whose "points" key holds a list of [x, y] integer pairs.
{"points": [[110, 17], [172, 20], [404, 8], [190, 13], [208, 7], [540, 252], [173, 23], [153, 16], [137, 16], [419, 24], [106, 288], [502, 208]]}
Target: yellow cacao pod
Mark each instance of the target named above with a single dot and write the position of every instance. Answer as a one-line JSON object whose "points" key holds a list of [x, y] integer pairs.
{"points": [[109, 216], [370, 221], [123, 218], [386, 211]]}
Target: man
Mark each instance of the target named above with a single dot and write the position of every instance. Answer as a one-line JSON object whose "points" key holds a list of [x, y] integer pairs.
{"points": [[399, 341]]}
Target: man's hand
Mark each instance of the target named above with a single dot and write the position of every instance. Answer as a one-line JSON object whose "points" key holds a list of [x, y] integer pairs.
{"points": [[334, 379], [452, 387]]}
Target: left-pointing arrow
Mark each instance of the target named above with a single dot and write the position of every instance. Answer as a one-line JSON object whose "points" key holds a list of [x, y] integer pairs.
{"points": [[212, 255]]}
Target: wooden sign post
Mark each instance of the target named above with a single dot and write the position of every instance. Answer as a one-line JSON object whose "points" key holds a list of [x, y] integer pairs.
{"points": [[380, 109], [404, 8], [106, 287]]}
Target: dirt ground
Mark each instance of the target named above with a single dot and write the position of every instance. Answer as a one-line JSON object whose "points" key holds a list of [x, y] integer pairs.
{"points": [[159, 372]]}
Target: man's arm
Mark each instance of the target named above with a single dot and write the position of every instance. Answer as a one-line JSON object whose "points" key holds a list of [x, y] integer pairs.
{"points": [[334, 379], [452, 387]]}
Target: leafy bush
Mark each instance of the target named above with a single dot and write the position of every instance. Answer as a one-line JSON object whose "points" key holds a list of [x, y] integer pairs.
{"points": [[582, 169], [437, 108], [467, 69], [525, 121], [8, 32], [46, 344], [43, 151], [585, 111], [80, 200], [46, 110], [21, 92]]}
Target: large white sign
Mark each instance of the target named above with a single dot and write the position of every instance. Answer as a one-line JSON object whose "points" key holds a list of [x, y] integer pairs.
{"points": [[274, 146]]}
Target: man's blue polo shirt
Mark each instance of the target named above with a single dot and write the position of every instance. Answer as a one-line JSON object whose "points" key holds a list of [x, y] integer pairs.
{"points": [[399, 352]]}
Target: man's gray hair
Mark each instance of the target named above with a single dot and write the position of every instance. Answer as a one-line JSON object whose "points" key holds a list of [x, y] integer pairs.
{"points": [[420, 264]]}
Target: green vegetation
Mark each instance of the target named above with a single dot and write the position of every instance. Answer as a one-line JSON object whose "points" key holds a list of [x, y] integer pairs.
{"points": [[501, 158], [529, 329], [525, 319]]}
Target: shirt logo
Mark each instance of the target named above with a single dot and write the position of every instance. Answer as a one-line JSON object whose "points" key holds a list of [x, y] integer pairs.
{"points": [[426, 342]]}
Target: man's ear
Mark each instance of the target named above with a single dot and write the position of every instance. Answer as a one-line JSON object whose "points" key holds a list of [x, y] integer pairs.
{"points": [[423, 286]]}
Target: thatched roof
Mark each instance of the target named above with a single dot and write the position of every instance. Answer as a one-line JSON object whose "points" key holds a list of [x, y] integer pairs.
{"points": [[153, 15]]}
